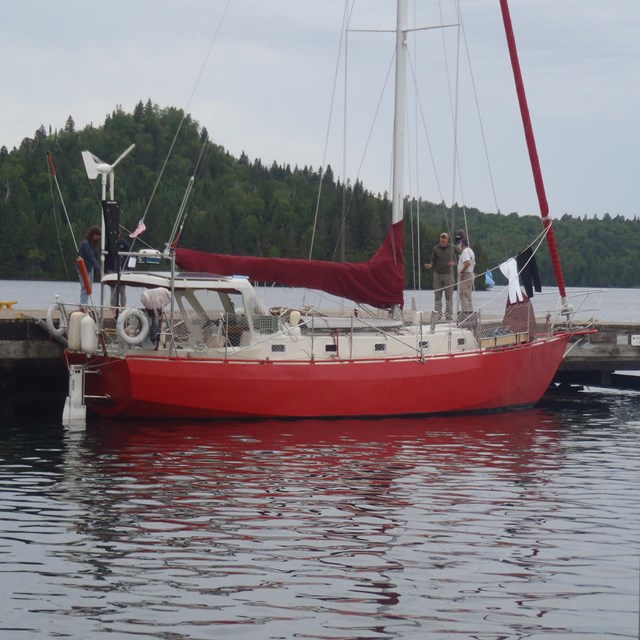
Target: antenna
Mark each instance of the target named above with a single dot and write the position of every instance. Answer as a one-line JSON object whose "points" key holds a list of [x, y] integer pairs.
{"points": [[96, 167]]}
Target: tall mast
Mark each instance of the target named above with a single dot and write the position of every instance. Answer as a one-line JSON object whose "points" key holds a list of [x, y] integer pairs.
{"points": [[533, 152], [399, 122]]}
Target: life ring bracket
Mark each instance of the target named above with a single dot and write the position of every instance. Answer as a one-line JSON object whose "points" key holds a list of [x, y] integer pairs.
{"points": [[63, 325]]}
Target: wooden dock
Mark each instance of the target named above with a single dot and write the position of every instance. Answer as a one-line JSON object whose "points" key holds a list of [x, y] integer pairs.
{"points": [[33, 373], [595, 359]]}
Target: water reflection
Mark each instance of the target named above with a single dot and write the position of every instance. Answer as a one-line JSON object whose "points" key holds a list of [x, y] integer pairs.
{"points": [[276, 521], [464, 527]]}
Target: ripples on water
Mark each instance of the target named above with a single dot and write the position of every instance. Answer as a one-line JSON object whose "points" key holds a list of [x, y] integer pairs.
{"points": [[515, 525]]}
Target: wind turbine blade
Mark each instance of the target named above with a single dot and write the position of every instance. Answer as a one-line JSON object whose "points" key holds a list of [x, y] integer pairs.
{"points": [[91, 163], [123, 155]]}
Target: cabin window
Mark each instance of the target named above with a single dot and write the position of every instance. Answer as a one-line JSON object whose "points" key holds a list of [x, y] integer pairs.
{"points": [[278, 348], [196, 316], [380, 346], [330, 348], [424, 344], [461, 342]]}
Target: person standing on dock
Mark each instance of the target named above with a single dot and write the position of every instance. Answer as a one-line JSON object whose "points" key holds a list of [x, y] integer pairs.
{"points": [[88, 250], [442, 262]]}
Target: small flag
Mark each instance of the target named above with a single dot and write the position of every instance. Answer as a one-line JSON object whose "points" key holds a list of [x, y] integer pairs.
{"points": [[141, 228]]}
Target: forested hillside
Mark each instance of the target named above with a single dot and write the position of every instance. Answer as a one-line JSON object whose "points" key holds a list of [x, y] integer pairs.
{"points": [[240, 206]]}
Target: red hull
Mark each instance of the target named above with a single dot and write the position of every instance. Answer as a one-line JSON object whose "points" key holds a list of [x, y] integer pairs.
{"points": [[157, 387]]}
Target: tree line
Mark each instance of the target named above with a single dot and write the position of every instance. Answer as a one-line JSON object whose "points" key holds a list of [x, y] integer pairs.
{"points": [[242, 206]]}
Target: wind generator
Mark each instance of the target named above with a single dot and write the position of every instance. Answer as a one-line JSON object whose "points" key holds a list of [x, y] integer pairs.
{"points": [[95, 167]]}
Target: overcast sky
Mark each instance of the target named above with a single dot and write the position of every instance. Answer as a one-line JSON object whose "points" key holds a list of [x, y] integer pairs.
{"points": [[266, 88]]}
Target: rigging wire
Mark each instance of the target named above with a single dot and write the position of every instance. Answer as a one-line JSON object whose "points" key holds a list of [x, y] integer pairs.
{"points": [[419, 116], [463, 34], [181, 218], [481, 126], [478, 110], [423, 119], [343, 216], [55, 217], [370, 134], [457, 182], [454, 96], [186, 109], [454, 115], [52, 173], [82, 269], [371, 128], [416, 258], [346, 17], [345, 21]]}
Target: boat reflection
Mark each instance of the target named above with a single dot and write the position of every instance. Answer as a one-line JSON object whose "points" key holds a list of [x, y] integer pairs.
{"points": [[203, 475], [511, 438], [273, 520]]}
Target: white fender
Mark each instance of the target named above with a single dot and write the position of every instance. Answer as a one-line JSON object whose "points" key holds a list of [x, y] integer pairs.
{"points": [[62, 326], [73, 339], [294, 318], [88, 335], [142, 318]]}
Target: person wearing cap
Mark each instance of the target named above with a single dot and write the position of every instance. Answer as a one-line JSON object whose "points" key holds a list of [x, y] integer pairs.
{"points": [[466, 267], [442, 263]]}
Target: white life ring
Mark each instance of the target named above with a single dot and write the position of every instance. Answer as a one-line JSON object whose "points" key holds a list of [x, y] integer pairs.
{"points": [[62, 327], [124, 317]]}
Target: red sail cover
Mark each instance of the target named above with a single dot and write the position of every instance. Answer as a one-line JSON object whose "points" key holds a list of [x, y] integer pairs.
{"points": [[378, 282]]}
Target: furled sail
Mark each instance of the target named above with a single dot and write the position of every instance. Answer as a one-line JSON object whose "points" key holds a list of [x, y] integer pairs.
{"points": [[378, 282]]}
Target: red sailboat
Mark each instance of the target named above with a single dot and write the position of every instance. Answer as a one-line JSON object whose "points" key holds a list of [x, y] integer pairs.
{"points": [[206, 346]]}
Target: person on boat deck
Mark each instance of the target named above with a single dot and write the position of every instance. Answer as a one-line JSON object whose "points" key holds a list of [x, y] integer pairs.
{"points": [[442, 262], [154, 301], [88, 250], [118, 293], [466, 267]]}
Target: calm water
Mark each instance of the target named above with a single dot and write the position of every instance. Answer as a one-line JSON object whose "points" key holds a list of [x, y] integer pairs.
{"points": [[514, 525]]}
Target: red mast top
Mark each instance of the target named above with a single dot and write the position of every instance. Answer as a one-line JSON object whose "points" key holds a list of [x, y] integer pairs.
{"points": [[531, 146]]}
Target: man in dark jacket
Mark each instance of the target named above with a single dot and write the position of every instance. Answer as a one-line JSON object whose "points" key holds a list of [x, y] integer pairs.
{"points": [[443, 261]]}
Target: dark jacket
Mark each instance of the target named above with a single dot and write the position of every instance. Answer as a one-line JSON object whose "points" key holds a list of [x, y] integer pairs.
{"points": [[442, 256], [89, 253], [528, 269]]}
